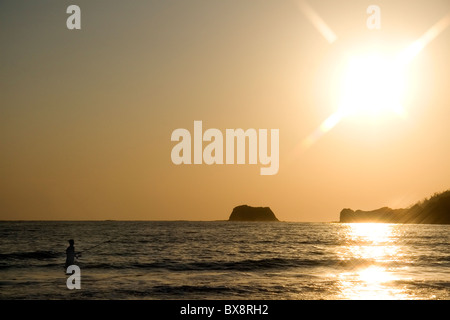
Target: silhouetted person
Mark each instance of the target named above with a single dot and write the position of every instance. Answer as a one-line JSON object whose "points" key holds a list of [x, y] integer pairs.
{"points": [[70, 254]]}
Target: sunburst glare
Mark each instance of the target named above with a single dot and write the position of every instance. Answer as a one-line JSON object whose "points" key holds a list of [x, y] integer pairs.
{"points": [[372, 85]]}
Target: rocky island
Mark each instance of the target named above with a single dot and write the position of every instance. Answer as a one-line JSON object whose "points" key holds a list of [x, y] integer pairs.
{"points": [[435, 210], [247, 213]]}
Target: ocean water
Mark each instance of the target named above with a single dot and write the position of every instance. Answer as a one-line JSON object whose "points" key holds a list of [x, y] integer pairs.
{"points": [[226, 260]]}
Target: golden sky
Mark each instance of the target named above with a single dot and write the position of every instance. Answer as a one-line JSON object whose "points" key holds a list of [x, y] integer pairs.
{"points": [[86, 115]]}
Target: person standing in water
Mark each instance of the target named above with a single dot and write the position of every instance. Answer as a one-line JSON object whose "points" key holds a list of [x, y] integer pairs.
{"points": [[70, 253]]}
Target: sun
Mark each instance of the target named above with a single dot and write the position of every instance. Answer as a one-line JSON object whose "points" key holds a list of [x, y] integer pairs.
{"points": [[369, 86], [372, 85]]}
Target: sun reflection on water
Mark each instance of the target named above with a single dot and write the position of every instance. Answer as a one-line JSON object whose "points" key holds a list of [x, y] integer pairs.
{"points": [[369, 255]]}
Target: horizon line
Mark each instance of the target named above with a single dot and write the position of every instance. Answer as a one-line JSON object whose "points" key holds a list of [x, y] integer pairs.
{"points": [[140, 220]]}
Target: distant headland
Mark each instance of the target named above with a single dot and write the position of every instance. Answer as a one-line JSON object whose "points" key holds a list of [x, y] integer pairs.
{"points": [[435, 210], [247, 213]]}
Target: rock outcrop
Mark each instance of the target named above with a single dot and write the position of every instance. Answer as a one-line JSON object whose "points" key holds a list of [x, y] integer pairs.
{"points": [[247, 213], [435, 210]]}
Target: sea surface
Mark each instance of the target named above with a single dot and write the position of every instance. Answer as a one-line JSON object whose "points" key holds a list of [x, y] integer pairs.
{"points": [[226, 260]]}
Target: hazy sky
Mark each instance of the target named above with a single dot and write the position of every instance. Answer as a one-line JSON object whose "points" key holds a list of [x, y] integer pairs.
{"points": [[86, 116]]}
